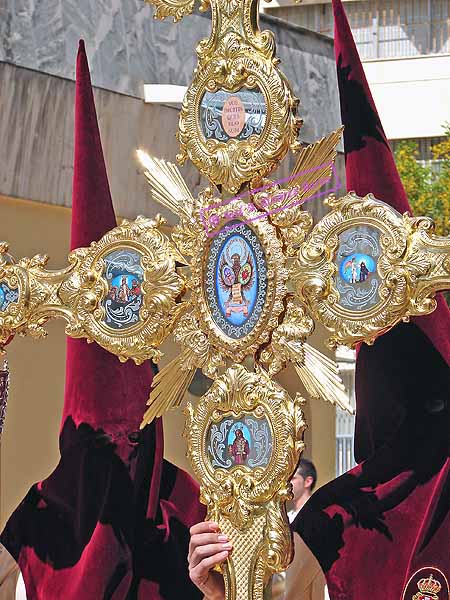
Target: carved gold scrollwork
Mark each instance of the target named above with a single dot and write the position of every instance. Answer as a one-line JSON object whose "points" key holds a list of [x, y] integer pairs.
{"points": [[77, 293], [172, 8], [413, 265], [298, 281], [247, 502]]}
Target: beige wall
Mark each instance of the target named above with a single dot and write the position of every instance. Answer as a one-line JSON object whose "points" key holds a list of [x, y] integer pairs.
{"points": [[29, 446], [320, 436], [36, 157]]}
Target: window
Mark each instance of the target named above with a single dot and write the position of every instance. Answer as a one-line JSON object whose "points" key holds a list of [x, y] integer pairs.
{"points": [[425, 156], [345, 423], [396, 28], [383, 28]]}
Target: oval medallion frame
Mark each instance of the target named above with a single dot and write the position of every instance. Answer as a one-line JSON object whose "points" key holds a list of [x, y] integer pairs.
{"points": [[315, 271], [238, 392], [160, 287], [235, 162], [238, 56], [248, 503], [277, 274]]}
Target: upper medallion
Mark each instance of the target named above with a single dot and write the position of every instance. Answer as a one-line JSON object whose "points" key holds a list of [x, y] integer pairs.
{"points": [[239, 114], [357, 268]]}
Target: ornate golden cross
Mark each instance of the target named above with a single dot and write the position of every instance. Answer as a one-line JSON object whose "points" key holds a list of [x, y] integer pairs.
{"points": [[238, 284]]}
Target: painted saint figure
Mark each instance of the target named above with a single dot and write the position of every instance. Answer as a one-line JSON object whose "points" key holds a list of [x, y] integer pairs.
{"points": [[135, 288], [354, 271], [124, 291], [240, 448], [112, 294], [363, 272]]}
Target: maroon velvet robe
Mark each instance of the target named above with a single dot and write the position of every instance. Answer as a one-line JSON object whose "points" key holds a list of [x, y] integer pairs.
{"points": [[378, 525]]}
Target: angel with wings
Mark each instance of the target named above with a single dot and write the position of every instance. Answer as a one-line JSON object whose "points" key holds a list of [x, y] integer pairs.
{"points": [[236, 276]]}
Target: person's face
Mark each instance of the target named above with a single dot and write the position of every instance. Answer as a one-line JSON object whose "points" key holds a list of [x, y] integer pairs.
{"points": [[300, 485]]}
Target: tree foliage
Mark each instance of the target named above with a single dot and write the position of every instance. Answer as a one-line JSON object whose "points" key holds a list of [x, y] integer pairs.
{"points": [[427, 187]]}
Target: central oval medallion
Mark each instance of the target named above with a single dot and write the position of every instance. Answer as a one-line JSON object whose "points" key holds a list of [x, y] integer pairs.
{"points": [[236, 279]]}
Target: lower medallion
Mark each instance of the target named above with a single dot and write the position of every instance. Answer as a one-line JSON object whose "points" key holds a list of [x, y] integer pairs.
{"points": [[244, 441]]}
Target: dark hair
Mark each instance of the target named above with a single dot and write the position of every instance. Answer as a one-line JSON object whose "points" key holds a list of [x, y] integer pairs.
{"points": [[306, 468]]}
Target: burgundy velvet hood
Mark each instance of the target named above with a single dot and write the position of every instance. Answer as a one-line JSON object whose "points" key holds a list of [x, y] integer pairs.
{"points": [[112, 520]]}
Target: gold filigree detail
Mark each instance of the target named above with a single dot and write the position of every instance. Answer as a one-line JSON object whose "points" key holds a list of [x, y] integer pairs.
{"points": [[173, 8], [248, 503], [318, 373], [236, 56], [312, 170], [171, 383], [412, 267], [77, 292]]}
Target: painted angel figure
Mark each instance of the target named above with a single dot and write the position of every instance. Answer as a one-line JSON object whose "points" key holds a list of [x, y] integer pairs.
{"points": [[236, 276]]}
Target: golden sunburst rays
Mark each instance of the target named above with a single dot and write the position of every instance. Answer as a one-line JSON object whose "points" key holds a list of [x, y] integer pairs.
{"points": [[167, 184], [314, 165], [169, 387], [321, 377], [318, 373]]}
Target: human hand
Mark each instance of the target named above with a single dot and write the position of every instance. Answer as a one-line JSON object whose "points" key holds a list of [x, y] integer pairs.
{"points": [[208, 548]]}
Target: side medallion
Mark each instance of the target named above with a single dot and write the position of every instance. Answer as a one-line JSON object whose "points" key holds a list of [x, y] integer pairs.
{"points": [[362, 268], [121, 292]]}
